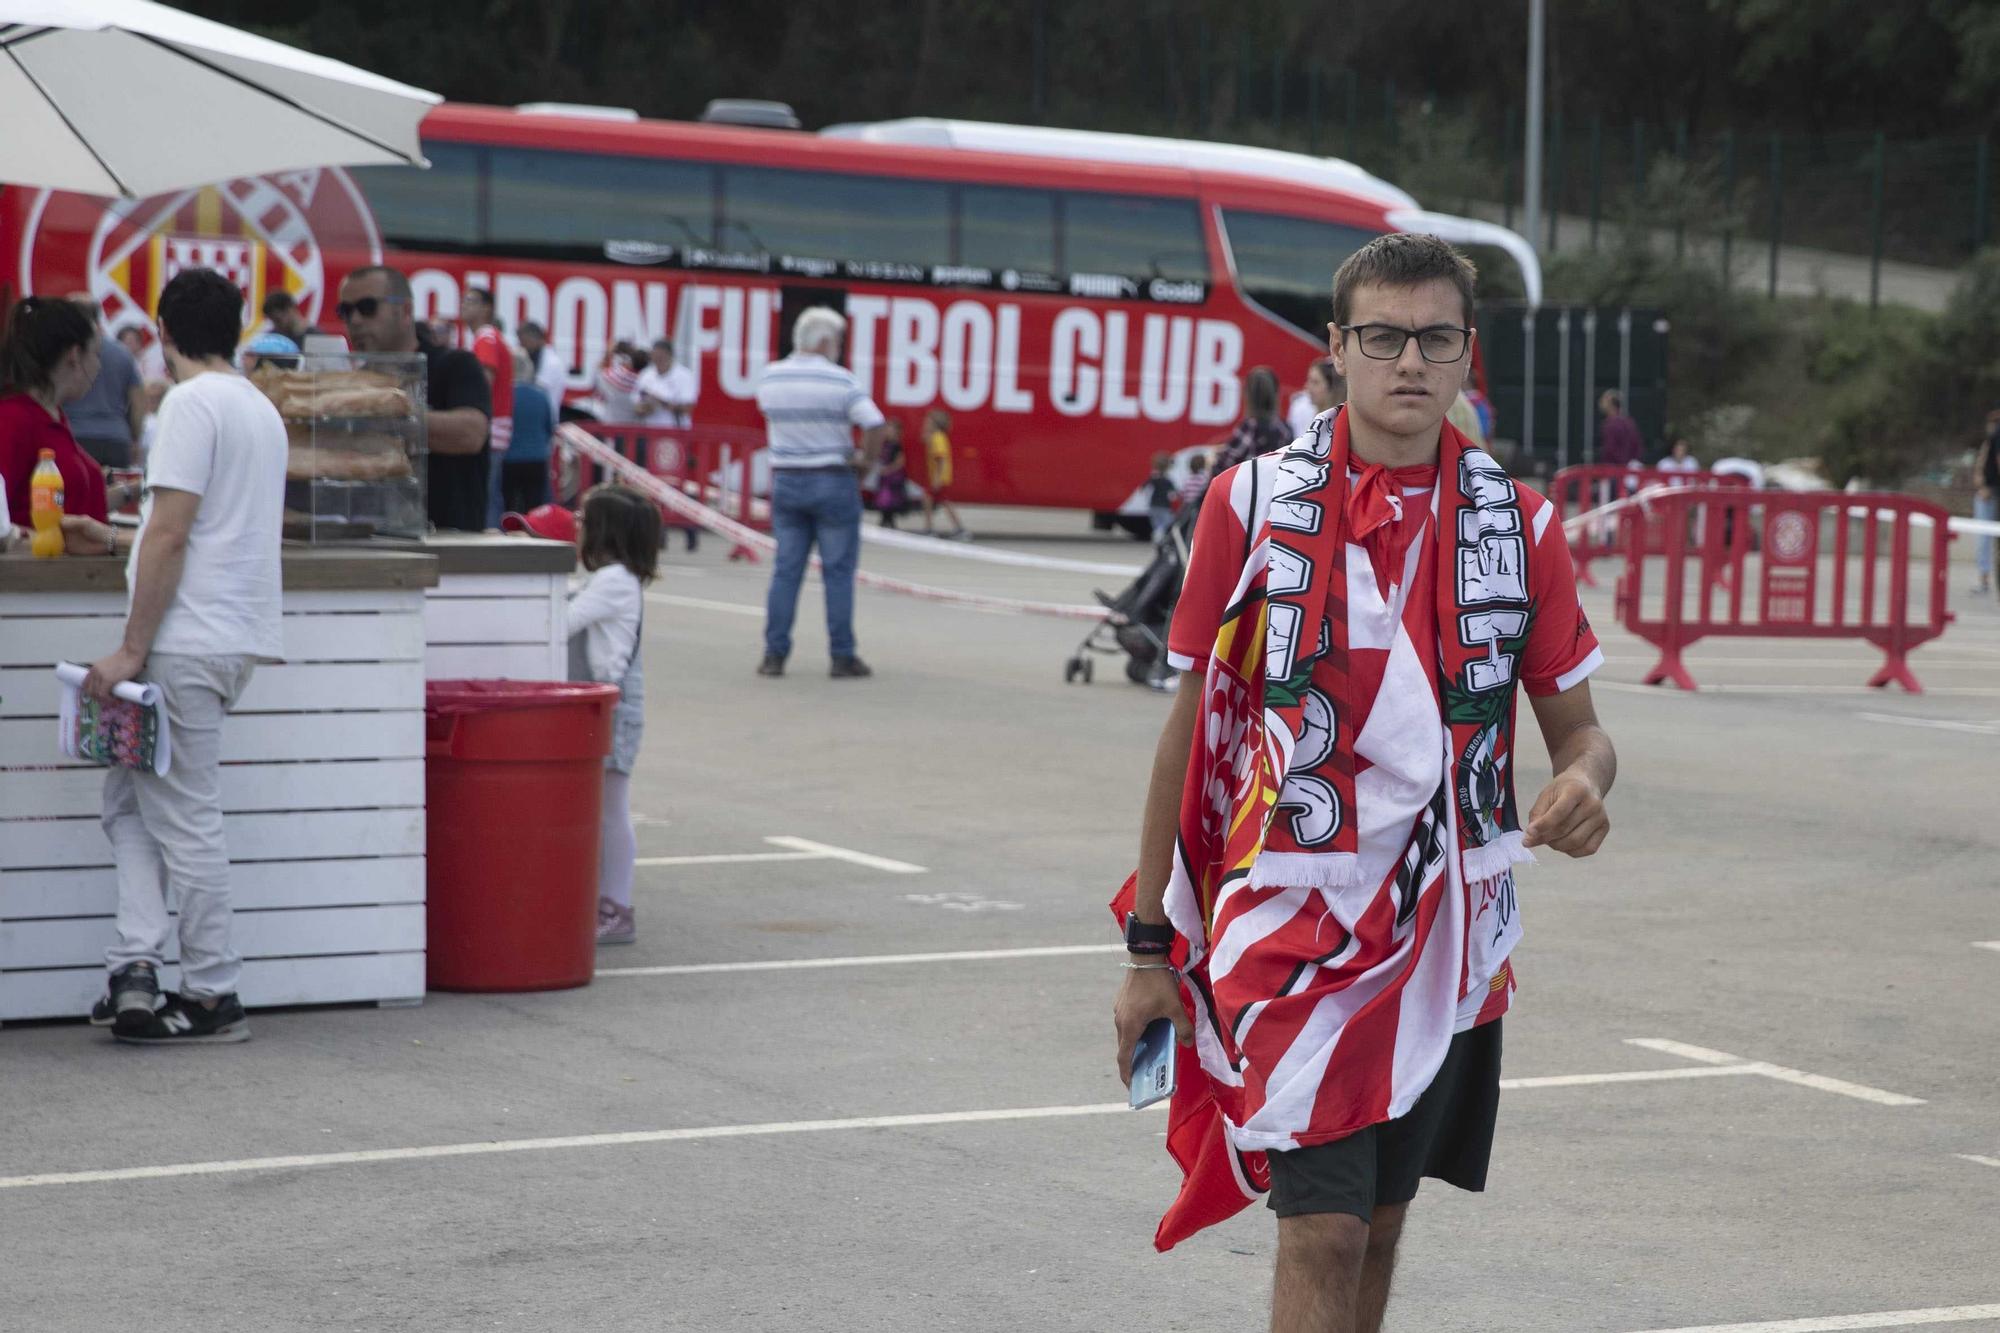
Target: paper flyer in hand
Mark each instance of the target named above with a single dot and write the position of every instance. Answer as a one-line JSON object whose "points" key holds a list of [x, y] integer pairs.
{"points": [[129, 732]]}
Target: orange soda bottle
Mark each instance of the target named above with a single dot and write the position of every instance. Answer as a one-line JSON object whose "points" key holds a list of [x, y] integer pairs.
{"points": [[45, 507]]}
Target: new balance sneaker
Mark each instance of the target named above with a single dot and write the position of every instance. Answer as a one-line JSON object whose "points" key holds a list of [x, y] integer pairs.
{"points": [[183, 1021], [849, 668], [615, 924], [129, 999], [772, 665]]}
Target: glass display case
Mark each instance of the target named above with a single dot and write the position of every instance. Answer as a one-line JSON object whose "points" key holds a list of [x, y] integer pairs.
{"points": [[355, 423]]}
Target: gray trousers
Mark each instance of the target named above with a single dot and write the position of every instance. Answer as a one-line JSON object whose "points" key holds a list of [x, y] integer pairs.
{"points": [[167, 829]]}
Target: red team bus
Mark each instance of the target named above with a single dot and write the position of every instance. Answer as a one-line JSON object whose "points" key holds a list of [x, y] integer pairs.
{"points": [[1077, 301]]}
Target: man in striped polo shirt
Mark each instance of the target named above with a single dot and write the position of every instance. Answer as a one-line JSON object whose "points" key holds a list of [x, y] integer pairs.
{"points": [[812, 406]]}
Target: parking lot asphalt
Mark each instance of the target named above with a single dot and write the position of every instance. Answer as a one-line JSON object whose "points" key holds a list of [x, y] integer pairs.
{"points": [[855, 1074]]}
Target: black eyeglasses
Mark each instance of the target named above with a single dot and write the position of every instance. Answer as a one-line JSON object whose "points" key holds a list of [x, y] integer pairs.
{"points": [[1440, 344], [366, 307]]}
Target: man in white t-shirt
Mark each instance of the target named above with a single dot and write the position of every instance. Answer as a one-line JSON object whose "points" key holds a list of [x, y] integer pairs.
{"points": [[551, 376], [202, 612], [667, 389]]}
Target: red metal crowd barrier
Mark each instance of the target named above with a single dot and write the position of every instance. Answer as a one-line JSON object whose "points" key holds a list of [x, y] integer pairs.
{"points": [[1819, 573], [1588, 486], [713, 464]]}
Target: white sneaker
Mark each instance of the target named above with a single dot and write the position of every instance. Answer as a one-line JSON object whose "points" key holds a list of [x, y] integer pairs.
{"points": [[615, 924]]}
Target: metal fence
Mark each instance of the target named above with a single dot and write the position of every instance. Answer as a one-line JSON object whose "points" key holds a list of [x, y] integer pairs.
{"points": [[1926, 201]]}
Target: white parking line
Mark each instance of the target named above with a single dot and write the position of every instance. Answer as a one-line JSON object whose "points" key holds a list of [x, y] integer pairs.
{"points": [[1629, 1076], [1664, 691], [726, 859], [1933, 723], [1796, 663], [845, 854], [546, 1145], [1944, 1314], [860, 960], [704, 604], [1987, 944], [635, 1137], [1975, 1157], [1820, 1082], [801, 849]]}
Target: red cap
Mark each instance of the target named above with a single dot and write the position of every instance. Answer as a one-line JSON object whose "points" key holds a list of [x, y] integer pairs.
{"points": [[552, 522]]}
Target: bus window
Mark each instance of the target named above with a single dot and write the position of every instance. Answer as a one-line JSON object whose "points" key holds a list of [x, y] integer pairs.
{"points": [[1134, 236], [574, 205], [435, 209], [830, 216], [1286, 264], [1002, 228]]}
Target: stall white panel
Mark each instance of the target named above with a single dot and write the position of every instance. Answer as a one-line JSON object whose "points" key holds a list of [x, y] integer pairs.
{"points": [[42, 641], [504, 661], [300, 835], [250, 738], [254, 885], [317, 687], [321, 785], [81, 942], [392, 978], [323, 795], [497, 627]]}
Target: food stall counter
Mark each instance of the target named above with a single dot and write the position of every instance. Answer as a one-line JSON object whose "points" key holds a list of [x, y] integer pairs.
{"points": [[499, 608], [323, 786]]}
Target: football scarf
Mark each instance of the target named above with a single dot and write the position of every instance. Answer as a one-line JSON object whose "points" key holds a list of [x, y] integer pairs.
{"points": [[1323, 993]]}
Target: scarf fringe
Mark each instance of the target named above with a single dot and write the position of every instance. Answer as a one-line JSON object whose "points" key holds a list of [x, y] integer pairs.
{"points": [[1305, 870], [1483, 863]]}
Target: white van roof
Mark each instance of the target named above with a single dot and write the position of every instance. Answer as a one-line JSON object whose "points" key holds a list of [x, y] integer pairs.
{"points": [[1135, 149], [1402, 211]]}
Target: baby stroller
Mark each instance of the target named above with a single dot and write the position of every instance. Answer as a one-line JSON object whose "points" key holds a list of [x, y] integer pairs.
{"points": [[1136, 619]]}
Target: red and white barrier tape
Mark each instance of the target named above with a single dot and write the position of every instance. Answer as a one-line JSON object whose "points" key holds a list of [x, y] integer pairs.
{"points": [[725, 493], [1577, 523], [631, 474], [910, 541]]}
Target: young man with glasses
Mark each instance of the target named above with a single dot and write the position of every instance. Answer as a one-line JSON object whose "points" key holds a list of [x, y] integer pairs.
{"points": [[1325, 903], [379, 311]]}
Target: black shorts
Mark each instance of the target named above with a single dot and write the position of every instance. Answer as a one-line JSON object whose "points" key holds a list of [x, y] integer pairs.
{"points": [[1448, 1134]]}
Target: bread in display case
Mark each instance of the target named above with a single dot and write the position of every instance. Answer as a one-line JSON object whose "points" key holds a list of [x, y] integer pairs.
{"points": [[355, 424]]}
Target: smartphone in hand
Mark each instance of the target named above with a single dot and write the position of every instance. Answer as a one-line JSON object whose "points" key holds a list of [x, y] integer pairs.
{"points": [[1153, 1064]]}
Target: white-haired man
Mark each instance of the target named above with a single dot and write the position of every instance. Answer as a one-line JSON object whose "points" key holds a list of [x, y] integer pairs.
{"points": [[812, 406]]}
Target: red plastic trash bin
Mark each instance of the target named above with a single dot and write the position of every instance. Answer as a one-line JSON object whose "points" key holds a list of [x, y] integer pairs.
{"points": [[513, 784]]}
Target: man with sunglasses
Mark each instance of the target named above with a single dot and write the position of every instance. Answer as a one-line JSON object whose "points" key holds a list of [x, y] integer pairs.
{"points": [[1325, 903], [379, 311]]}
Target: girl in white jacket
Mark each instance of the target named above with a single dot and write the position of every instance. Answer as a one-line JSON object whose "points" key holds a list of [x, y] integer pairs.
{"points": [[618, 543]]}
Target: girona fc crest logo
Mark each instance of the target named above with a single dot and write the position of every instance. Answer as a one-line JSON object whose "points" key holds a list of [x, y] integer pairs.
{"points": [[1791, 537], [295, 232]]}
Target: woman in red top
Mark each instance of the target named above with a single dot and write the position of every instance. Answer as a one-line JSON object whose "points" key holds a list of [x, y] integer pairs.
{"points": [[49, 359]]}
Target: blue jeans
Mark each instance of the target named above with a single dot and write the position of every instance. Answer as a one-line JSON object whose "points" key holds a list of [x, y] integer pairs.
{"points": [[1989, 509], [497, 460], [818, 505]]}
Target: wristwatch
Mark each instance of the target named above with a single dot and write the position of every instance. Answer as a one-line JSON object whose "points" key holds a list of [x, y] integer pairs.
{"points": [[1143, 938]]}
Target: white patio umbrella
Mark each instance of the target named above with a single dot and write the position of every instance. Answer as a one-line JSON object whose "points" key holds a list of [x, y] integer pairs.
{"points": [[125, 97]]}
